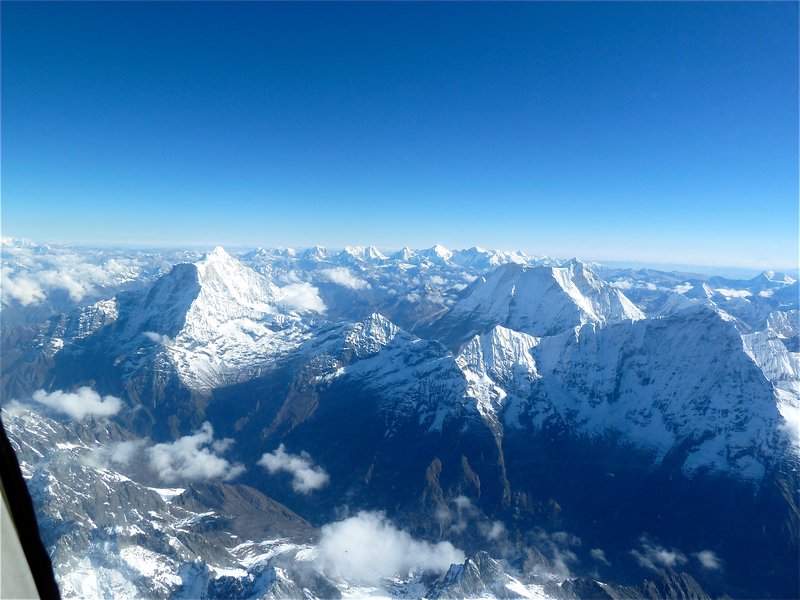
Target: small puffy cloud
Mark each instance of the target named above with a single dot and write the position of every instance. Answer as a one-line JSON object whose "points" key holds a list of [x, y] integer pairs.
{"points": [[344, 277], [368, 547], [709, 560], [302, 296], [622, 284], [654, 556], [729, 293], [193, 457], [164, 340], [599, 555], [306, 477], [84, 402]]}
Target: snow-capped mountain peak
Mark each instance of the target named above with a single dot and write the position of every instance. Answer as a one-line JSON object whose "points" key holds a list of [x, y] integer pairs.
{"points": [[363, 253], [441, 252], [316, 254], [404, 254], [542, 300], [370, 335]]}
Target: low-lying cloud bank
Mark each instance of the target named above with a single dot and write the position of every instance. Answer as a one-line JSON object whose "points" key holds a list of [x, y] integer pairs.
{"points": [[306, 477], [84, 402], [368, 547], [32, 272]]}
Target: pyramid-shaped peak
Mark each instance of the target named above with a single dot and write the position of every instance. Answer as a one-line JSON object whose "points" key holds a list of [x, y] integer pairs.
{"points": [[441, 251], [218, 254], [374, 253], [405, 253], [371, 334]]}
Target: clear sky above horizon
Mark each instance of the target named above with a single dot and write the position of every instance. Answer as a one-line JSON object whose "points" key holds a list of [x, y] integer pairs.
{"points": [[649, 132]]}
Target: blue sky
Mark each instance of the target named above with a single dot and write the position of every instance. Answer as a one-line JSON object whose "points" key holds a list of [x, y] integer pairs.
{"points": [[651, 132]]}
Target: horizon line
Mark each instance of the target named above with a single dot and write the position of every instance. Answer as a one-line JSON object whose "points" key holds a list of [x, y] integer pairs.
{"points": [[666, 266]]}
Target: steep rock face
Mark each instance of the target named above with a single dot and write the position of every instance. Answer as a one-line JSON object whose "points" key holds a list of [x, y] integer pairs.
{"points": [[204, 325], [237, 322], [109, 534], [680, 384], [663, 384], [384, 412], [481, 577], [539, 301], [496, 365], [668, 585]]}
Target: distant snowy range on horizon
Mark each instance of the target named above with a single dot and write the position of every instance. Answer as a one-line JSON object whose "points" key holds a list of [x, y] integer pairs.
{"points": [[426, 423]]}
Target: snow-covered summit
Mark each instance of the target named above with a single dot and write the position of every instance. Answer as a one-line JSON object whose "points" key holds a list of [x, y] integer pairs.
{"points": [[543, 300], [363, 253], [370, 335]]}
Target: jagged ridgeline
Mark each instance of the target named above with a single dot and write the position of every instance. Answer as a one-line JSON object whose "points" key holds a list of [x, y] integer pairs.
{"points": [[424, 423]]}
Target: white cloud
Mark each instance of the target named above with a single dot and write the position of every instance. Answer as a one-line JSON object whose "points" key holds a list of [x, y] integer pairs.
{"points": [[164, 340], [599, 555], [32, 272], [368, 547], [15, 409], [653, 556], [193, 458], [344, 277], [303, 296], [123, 452], [467, 515], [67, 281], [622, 284], [21, 288], [493, 531], [728, 293], [83, 403], [558, 545], [709, 560], [120, 453], [306, 477], [791, 425]]}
